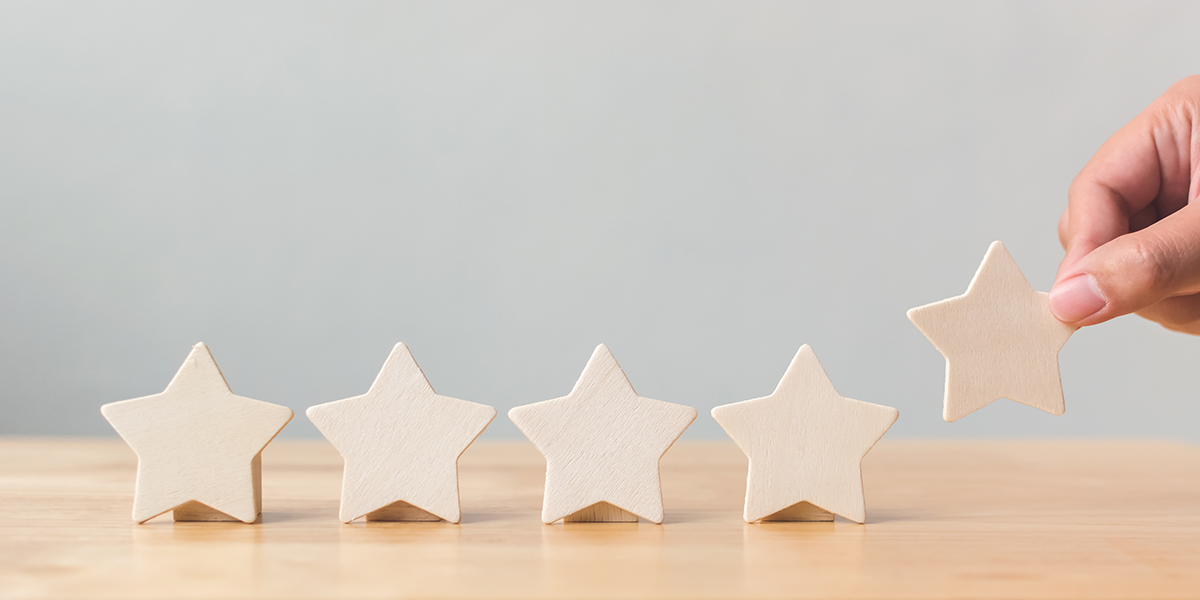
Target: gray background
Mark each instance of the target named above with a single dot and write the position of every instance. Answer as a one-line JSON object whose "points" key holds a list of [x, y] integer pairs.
{"points": [[704, 187]]}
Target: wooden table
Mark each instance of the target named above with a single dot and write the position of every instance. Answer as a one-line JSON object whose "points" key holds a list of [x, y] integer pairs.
{"points": [[945, 520]]}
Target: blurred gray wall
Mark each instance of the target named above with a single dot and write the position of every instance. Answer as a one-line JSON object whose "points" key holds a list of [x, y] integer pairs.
{"points": [[701, 186]]}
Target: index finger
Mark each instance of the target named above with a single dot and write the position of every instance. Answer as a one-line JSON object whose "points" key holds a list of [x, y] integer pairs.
{"points": [[1121, 179]]}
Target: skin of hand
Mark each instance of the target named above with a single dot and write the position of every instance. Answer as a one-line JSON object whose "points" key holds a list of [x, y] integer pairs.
{"points": [[1131, 229]]}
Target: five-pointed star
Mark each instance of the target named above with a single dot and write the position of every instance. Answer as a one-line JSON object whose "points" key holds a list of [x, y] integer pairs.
{"points": [[197, 441], [401, 441], [602, 442], [805, 442], [1000, 340]]}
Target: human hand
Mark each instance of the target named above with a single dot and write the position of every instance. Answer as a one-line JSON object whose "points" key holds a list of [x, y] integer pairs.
{"points": [[1132, 224]]}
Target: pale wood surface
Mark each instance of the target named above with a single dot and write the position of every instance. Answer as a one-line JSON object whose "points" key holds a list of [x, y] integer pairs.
{"points": [[602, 444], [946, 520], [401, 442], [805, 442], [199, 445], [1000, 340]]}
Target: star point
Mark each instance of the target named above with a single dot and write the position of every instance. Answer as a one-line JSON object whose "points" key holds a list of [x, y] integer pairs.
{"points": [[602, 443], [1000, 340], [400, 442], [197, 442], [805, 443]]}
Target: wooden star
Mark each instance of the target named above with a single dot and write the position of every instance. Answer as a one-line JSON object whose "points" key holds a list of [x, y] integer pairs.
{"points": [[401, 442], [805, 444], [199, 447], [1000, 340], [602, 444]]}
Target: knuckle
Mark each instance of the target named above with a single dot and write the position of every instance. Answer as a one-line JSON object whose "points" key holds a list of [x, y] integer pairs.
{"points": [[1147, 265], [1182, 93], [1189, 82], [1081, 178]]}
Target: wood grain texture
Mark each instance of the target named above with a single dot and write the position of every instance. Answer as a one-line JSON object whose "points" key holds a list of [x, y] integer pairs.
{"points": [[1000, 340], [198, 445], [602, 443], [805, 443], [401, 442], [986, 520]]}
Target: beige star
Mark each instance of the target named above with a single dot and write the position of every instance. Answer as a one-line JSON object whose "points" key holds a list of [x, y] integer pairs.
{"points": [[197, 443], [1000, 340], [401, 442], [602, 444], [805, 444]]}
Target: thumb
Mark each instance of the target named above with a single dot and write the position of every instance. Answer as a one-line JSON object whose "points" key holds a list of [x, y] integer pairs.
{"points": [[1132, 271]]}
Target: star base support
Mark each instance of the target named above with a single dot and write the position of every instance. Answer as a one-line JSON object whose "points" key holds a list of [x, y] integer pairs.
{"points": [[601, 512], [195, 511], [800, 511], [401, 511]]}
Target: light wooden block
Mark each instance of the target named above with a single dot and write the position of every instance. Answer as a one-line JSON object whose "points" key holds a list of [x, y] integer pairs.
{"points": [[198, 445], [805, 443], [401, 442], [1000, 340], [602, 444]]}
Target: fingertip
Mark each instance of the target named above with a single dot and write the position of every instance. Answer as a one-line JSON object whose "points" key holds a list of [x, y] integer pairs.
{"points": [[1076, 299]]}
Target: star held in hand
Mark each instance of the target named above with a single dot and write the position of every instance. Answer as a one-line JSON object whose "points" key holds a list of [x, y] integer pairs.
{"points": [[400, 442], [199, 446], [602, 444], [805, 443], [1000, 340]]}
